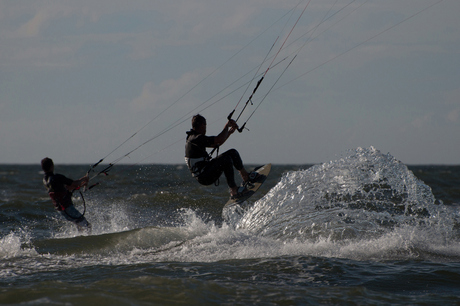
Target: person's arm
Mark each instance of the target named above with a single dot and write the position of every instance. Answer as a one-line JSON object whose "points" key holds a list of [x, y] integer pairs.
{"points": [[228, 130], [78, 183]]}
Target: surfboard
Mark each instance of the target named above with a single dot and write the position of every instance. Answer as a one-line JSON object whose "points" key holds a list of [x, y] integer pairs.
{"points": [[261, 174]]}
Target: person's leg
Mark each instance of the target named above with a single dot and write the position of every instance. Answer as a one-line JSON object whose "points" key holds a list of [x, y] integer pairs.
{"points": [[238, 163], [73, 215], [224, 163], [214, 169]]}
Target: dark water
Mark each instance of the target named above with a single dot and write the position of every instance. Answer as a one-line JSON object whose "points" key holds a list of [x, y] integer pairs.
{"points": [[365, 229]]}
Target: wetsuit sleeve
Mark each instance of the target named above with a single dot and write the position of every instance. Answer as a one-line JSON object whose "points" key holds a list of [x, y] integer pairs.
{"points": [[62, 180], [208, 141]]}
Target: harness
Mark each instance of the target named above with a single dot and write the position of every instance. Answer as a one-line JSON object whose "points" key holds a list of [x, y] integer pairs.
{"points": [[196, 165], [63, 199]]}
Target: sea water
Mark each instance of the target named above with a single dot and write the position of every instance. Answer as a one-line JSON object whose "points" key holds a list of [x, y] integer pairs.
{"points": [[362, 229]]}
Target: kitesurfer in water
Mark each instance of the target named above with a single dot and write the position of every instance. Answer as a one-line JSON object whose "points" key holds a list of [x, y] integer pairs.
{"points": [[60, 190], [207, 170]]}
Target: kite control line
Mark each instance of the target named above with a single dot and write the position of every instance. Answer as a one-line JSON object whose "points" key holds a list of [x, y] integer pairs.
{"points": [[265, 73]]}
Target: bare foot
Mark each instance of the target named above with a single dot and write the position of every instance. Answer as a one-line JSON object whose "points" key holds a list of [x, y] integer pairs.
{"points": [[244, 175], [233, 191]]}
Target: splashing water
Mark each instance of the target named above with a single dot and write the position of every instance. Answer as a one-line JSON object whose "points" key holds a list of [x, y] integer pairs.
{"points": [[366, 205], [363, 195]]}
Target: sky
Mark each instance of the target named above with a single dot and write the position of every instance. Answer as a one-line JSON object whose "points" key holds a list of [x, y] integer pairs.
{"points": [[80, 78]]}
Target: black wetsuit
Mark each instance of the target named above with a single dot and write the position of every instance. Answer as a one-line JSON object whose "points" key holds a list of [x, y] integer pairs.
{"points": [[205, 169], [55, 185], [62, 198]]}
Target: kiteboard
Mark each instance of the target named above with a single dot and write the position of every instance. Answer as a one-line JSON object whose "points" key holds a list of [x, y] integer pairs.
{"points": [[256, 178], [234, 209]]}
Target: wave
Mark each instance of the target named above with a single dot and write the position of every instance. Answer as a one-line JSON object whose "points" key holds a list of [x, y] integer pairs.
{"points": [[365, 206], [120, 242], [201, 241], [363, 195]]}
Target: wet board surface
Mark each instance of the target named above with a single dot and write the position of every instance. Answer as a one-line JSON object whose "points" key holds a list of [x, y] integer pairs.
{"points": [[263, 172]]}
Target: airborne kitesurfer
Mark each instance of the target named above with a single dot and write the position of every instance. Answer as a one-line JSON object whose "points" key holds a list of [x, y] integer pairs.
{"points": [[207, 170], [60, 190]]}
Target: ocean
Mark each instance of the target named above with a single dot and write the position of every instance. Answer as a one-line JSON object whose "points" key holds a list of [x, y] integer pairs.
{"points": [[362, 229]]}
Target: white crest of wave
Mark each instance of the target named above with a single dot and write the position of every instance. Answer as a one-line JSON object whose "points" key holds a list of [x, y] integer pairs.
{"points": [[365, 194], [12, 245]]}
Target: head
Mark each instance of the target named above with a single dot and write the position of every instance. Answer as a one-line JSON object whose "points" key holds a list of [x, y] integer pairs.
{"points": [[199, 124], [47, 165]]}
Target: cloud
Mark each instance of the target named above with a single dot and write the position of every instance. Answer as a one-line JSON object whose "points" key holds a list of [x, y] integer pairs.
{"points": [[422, 121], [452, 100], [453, 115], [123, 62], [35, 25], [162, 95]]}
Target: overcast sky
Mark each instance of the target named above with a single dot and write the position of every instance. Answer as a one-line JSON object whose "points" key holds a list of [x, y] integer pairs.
{"points": [[78, 78]]}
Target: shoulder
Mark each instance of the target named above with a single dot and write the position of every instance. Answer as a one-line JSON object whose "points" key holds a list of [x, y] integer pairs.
{"points": [[62, 179], [207, 141], [202, 139]]}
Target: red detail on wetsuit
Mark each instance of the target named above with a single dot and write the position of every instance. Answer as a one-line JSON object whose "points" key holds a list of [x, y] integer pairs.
{"points": [[61, 200]]}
